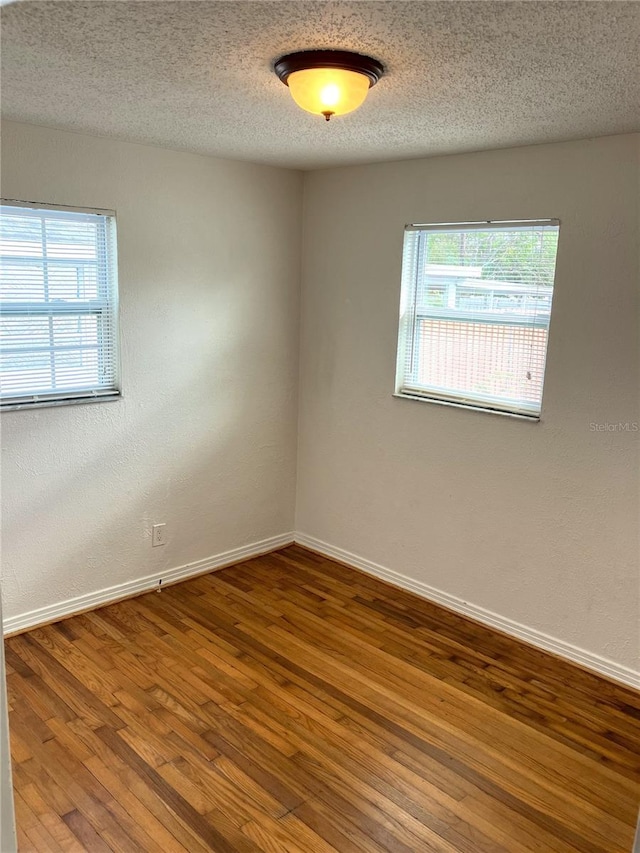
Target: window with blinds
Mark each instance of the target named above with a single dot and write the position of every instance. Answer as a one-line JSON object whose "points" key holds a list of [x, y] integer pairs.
{"points": [[58, 305], [474, 314]]}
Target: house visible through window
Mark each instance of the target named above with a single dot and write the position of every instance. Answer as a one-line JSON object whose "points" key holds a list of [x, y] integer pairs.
{"points": [[58, 305], [474, 314]]}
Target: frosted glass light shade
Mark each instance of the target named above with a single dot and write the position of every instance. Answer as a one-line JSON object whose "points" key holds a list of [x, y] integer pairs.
{"points": [[328, 91], [328, 82]]}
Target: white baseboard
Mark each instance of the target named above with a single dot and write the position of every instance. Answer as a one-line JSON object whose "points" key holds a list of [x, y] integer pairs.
{"points": [[601, 665], [44, 615], [52, 613]]}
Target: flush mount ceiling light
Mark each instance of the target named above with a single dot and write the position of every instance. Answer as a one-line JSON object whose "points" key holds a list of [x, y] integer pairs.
{"points": [[328, 82]]}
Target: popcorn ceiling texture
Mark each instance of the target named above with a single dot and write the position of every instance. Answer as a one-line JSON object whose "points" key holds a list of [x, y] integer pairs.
{"points": [[198, 75]]}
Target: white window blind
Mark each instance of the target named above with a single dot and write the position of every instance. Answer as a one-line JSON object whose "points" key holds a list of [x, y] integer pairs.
{"points": [[474, 313], [58, 305]]}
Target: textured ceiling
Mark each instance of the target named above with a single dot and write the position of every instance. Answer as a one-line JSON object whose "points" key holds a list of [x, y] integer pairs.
{"points": [[197, 75]]}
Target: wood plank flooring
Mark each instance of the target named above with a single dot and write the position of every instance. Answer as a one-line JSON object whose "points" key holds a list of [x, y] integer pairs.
{"points": [[292, 704]]}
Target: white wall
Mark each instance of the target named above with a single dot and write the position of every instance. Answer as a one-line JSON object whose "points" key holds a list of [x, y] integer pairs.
{"points": [[536, 522], [204, 437]]}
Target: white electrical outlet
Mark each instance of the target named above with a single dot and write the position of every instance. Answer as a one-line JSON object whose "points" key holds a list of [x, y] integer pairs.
{"points": [[159, 535]]}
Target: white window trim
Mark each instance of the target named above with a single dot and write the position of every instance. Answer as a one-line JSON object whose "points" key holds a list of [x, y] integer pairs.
{"points": [[404, 390], [46, 400]]}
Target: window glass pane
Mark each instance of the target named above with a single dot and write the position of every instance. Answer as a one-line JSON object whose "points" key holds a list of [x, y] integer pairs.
{"points": [[64, 239], [50, 353], [30, 372], [58, 299], [77, 369], [23, 333], [72, 281], [485, 360], [21, 282], [475, 313], [20, 235]]}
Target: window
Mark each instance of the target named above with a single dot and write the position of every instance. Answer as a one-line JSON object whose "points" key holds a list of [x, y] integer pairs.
{"points": [[474, 314], [58, 305]]}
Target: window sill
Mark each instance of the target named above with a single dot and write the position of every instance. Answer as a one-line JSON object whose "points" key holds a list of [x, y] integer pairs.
{"points": [[70, 401], [486, 410]]}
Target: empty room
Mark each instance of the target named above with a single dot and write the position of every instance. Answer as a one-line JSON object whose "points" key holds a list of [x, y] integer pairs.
{"points": [[320, 433]]}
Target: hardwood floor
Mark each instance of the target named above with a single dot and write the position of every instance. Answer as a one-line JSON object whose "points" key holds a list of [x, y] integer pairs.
{"points": [[292, 704]]}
